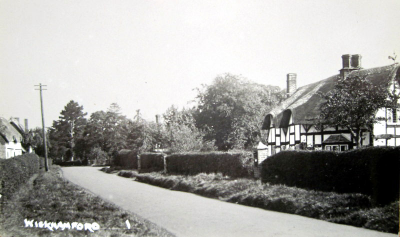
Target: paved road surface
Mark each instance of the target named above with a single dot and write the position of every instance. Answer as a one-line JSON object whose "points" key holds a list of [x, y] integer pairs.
{"points": [[186, 214]]}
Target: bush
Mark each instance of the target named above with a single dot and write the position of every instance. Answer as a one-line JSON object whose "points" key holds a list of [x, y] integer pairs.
{"points": [[152, 161], [351, 209], [17, 171], [381, 218], [373, 171], [98, 156], [126, 159], [71, 163], [234, 164]]}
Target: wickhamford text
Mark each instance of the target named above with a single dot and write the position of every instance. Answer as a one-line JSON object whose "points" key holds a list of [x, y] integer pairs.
{"points": [[92, 227]]}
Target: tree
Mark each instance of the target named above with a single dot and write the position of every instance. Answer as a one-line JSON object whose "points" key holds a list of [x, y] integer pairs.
{"points": [[66, 131], [231, 110], [93, 134], [98, 156], [115, 130], [145, 136], [353, 104], [182, 133], [34, 138]]}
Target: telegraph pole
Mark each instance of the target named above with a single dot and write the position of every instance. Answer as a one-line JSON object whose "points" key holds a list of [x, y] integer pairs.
{"points": [[46, 166]]}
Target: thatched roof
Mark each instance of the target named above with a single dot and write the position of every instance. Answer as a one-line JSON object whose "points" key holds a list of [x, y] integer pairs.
{"points": [[305, 103], [8, 131]]}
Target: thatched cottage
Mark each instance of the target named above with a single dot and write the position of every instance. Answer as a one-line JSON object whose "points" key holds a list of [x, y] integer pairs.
{"points": [[11, 138], [293, 123]]}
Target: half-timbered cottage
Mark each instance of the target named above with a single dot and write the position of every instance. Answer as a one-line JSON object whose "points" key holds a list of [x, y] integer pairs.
{"points": [[294, 123], [11, 137]]}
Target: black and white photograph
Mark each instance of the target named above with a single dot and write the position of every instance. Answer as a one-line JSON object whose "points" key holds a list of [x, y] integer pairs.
{"points": [[199, 118]]}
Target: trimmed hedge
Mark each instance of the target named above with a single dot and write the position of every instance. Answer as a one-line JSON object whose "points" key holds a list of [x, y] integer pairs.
{"points": [[127, 159], [234, 164], [71, 163], [152, 161], [373, 171], [17, 171]]}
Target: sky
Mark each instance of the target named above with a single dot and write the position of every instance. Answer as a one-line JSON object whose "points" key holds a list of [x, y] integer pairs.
{"points": [[152, 54]]}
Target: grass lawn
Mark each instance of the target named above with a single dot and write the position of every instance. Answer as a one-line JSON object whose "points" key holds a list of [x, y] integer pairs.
{"points": [[48, 197], [350, 209]]}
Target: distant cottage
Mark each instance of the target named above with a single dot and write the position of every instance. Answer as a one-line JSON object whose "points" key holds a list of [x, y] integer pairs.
{"points": [[11, 138], [293, 123]]}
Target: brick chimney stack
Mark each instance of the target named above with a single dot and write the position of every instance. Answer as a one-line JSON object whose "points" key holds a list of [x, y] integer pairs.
{"points": [[291, 84], [26, 125], [350, 63]]}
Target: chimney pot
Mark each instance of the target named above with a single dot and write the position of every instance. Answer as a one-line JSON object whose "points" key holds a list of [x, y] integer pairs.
{"points": [[350, 63], [346, 60], [356, 61]]}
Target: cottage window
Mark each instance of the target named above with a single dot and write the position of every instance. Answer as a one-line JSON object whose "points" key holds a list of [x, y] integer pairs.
{"points": [[336, 147], [393, 115]]}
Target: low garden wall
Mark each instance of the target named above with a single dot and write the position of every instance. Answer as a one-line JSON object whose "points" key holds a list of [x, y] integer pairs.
{"points": [[373, 171]]}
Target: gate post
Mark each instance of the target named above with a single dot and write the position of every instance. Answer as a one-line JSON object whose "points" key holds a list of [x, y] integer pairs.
{"points": [[165, 164], [138, 164]]}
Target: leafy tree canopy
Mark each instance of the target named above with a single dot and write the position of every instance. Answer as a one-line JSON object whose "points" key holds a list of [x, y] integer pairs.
{"points": [[231, 110], [353, 104], [67, 130], [182, 133]]}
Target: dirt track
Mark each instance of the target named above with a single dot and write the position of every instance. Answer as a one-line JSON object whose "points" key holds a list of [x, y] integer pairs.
{"points": [[186, 214]]}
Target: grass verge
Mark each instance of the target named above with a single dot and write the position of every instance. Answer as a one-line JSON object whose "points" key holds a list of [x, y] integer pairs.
{"points": [[351, 209], [48, 197]]}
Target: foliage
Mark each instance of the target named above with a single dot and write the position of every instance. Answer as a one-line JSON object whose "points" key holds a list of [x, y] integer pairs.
{"points": [[231, 110], [349, 208], [16, 171], [94, 131], [98, 156], [385, 219], [353, 104], [66, 131], [114, 130], [228, 116], [34, 138], [182, 133], [105, 133], [51, 198], [235, 164], [145, 136], [152, 161], [126, 159], [372, 171]]}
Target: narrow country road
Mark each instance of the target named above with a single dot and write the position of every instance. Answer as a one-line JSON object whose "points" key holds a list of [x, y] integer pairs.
{"points": [[186, 214]]}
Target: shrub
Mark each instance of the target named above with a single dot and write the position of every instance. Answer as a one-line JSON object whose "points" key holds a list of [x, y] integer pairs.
{"points": [[152, 161], [17, 171], [381, 218], [373, 171], [71, 163], [98, 156], [126, 159], [235, 164]]}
